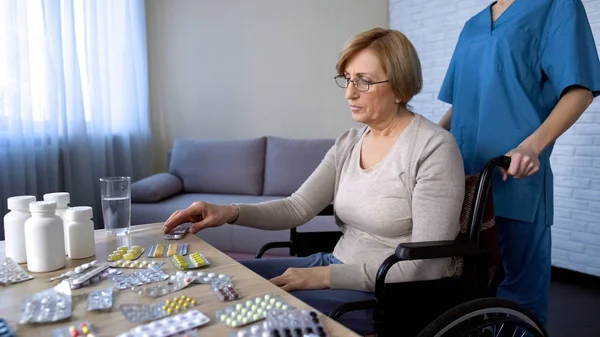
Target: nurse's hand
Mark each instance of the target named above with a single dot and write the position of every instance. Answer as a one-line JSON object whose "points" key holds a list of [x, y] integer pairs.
{"points": [[524, 162]]}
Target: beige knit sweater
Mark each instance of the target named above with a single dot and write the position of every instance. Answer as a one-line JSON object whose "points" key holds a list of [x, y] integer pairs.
{"points": [[414, 194]]}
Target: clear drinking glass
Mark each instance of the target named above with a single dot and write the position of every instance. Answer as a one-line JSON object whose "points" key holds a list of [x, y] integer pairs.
{"points": [[116, 205]]}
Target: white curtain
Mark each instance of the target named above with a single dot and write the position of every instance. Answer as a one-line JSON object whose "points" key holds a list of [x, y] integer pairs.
{"points": [[73, 97]]}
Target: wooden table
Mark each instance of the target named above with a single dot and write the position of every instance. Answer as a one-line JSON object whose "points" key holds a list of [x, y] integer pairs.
{"points": [[113, 323]]}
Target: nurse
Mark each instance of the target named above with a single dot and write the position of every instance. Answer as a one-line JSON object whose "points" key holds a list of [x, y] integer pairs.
{"points": [[522, 73]]}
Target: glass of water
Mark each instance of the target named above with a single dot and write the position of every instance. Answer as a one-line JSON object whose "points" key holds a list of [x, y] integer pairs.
{"points": [[116, 205]]}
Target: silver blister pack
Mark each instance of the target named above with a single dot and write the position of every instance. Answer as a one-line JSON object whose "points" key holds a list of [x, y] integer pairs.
{"points": [[175, 283], [50, 305], [204, 277], [170, 326], [282, 323], [11, 272], [75, 272], [101, 299], [150, 275], [103, 275], [143, 312]]}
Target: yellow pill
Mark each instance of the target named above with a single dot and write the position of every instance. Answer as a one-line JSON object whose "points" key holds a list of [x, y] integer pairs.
{"points": [[169, 311], [183, 297], [165, 307], [168, 301], [184, 306], [113, 257], [193, 302], [136, 247], [129, 256], [178, 308]]}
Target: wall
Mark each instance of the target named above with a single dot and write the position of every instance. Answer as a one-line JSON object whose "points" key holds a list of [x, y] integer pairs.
{"points": [[433, 26], [241, 69]]}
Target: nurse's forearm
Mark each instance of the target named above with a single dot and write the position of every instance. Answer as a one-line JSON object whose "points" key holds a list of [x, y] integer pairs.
{"points": [[445, 121], [565, 114]]}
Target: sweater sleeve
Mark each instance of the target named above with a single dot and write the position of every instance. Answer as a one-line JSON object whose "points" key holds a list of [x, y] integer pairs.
{"points": [[437, 201], [304, 204]]}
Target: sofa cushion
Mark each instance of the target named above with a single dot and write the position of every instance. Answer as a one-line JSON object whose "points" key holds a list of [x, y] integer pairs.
{"points": [[289, 162], [156, 188], [219, 166]]}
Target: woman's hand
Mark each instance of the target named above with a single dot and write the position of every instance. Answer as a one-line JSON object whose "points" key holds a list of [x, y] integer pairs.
{"points": [[524, 162], [303, 279], [202, 215]]}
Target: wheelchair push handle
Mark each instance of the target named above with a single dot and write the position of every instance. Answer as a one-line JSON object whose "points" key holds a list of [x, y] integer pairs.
{"points": [[504, 162]]}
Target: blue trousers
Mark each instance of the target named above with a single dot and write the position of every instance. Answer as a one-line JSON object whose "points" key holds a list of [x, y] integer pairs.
{"points": [[526, 256], [325, 300]]}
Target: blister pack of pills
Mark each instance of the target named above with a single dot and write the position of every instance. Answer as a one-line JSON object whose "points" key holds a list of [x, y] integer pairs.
{"points": [[11, 272], [79, 329], [175, 283], [126, 253], [177, 233], [138, 264], [284, 323], [204, 277], [50, 305], [168, 250], [145, 276], [101, 299], [178, 304], [151, 312], [76, 271], [170, 326], [294, 323], [224, 290], [251, 311], [193, 261], [5, 329], [91, 277]]}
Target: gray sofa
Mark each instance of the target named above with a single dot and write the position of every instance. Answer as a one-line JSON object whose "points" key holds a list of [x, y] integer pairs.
{"points": [[227, 171]]}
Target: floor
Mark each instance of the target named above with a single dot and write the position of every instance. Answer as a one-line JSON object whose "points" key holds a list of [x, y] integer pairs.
{"points": [[574, 303]]}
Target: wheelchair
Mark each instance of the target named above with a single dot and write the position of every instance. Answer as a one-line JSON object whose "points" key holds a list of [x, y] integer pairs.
{"points": [[463, 304]]}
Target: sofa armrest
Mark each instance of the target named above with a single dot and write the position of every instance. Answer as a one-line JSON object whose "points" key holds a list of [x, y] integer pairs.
{"points": [[155, 188]]}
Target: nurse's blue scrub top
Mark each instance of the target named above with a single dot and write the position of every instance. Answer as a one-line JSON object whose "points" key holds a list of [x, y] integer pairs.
{"points": [[504, 79]]}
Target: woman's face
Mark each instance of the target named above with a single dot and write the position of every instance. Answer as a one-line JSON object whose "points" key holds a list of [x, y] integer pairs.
{"points": [[379, 102]]}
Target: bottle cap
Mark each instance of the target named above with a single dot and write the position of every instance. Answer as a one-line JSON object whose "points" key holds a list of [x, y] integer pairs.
{"points": [[42, 206], [78, 213], [20, 203], [62, 198]]}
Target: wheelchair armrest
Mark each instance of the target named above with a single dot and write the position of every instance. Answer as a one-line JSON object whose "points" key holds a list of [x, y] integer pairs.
{"points": [[271, 245], [421, 251], [435, 249], [352, 306]]}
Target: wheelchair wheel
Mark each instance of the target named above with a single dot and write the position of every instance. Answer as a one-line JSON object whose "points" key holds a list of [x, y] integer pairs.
{"points": [[493, 317]]}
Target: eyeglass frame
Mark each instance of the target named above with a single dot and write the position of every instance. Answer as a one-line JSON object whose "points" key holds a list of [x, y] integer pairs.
{"points": [[369, 83]]}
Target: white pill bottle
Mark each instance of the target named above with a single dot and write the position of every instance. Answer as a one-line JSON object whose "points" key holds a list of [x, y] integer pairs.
{"points": [[44, 238], [14, 227], [79, 233], [62, 204]]}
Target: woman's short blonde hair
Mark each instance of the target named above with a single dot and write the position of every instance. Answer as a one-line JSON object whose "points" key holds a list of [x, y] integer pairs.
{"points": [[397, 55]]}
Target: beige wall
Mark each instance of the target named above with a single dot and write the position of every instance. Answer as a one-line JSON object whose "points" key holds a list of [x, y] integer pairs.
{"points": [[239, 69]]}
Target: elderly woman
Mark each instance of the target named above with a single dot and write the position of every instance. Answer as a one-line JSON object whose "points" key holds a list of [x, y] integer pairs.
{"points": [[400, 178]]}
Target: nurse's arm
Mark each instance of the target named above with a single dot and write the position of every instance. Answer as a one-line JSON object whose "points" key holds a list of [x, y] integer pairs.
{"points": [[569, 108], [445, 121]]}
